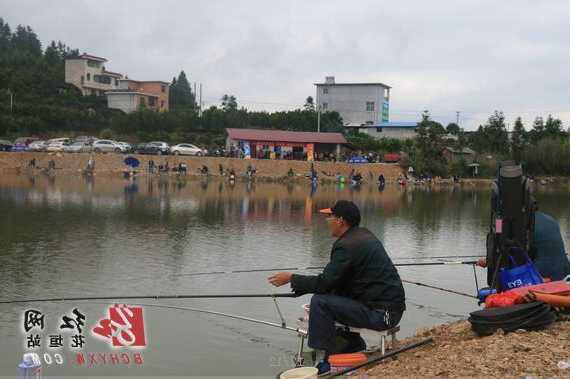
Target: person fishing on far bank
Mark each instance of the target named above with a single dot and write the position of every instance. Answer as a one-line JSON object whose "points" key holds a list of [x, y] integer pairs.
{"points": [[359, 287]]}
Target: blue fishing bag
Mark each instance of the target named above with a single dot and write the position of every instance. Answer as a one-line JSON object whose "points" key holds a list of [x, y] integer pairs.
{"points": [[520, 276]]}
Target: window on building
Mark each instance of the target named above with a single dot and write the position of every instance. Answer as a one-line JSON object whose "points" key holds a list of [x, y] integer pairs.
{"points": [[325, 106], [379, 130], [369, 106], [325, 91], [88, 76], [163, 88], [117, 82], [82, 79], [152, 101]]}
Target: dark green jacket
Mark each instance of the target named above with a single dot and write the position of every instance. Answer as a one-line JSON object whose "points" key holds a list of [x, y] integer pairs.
{"points": [[359, 269], [551, 260]]}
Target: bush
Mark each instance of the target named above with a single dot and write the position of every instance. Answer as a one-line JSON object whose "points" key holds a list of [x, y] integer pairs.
{"points": [[548, 157]]}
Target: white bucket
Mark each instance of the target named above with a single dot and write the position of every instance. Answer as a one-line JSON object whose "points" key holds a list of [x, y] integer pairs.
{"points": [[300, 373]]}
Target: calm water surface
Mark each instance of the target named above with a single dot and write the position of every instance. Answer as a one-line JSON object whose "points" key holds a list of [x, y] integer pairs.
{"points": [[72, 237]]}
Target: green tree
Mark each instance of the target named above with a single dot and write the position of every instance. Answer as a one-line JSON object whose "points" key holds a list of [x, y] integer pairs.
{"points": [[5, 37], [492, 137], [453, 128], [537, 131], [181, 96], [309, 104], [517, 140], [25, 41], [553, 128], [427, 159], [229, 103]]}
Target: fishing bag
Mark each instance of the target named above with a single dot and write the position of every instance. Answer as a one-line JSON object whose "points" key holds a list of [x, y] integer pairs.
{"points": [[519, 276], [510, 238]]}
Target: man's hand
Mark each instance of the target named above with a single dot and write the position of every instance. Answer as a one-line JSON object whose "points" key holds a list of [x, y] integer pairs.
{"points": [[280, 278], [482, 262]]}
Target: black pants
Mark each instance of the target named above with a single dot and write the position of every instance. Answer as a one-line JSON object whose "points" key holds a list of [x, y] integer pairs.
{"points": [[326, 310]]}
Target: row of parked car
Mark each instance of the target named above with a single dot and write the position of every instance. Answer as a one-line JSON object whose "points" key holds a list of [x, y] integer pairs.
{"points": [[91, 144]]}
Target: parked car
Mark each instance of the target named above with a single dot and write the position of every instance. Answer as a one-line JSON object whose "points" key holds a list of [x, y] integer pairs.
{"points": [[87, 139], [147, 148], [163, 147], [22, 143], [78, 147], [186, 149], [125, 147], [106, 146], [5, 145], [37, 146], [57, 144]]}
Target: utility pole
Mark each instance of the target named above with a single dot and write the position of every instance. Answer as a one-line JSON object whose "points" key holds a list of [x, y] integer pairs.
{"points": [[318, 118], [200, 107], [457, 122]]}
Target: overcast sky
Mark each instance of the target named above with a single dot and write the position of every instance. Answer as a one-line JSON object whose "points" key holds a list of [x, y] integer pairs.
{"points": [[444, 56]]}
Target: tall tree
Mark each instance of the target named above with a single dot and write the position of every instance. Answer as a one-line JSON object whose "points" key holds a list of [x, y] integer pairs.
{"points": [[553, 127], [452, 128], [517, 140], [309, 104], [492, 137], [181, 92], [26, 41], [229, 103], [5, 37], [537, 132]]}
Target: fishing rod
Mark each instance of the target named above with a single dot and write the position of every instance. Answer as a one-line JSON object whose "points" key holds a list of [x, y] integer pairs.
{"points": [[379, 358], [439, 288], [282, 325], [154, 297], [446, 263]]}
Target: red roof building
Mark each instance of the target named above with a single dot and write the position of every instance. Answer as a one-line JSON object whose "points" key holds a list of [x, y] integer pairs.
{"points": [[282, 144]]}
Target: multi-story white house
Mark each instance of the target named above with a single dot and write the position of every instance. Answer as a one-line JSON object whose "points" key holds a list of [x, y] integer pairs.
{"points": [[357, 103], [88, 73]]}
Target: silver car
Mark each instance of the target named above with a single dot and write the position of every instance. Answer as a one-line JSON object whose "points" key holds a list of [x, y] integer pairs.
{"points": [[78, 147], [37, 146], [106, 146]]}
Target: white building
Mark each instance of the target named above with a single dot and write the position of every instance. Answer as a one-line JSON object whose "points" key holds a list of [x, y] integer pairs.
{"points": [[401, 130], [357, 103], [88, 74]]}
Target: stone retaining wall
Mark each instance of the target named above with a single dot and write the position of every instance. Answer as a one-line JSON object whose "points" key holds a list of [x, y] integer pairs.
{"points": [[112, 163]]}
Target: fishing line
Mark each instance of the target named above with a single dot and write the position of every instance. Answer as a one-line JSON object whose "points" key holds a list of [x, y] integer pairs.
{"points": [[417, 264]]}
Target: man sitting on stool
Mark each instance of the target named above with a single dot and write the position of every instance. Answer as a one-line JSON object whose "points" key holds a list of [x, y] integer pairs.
{"points": [[359, 287]]}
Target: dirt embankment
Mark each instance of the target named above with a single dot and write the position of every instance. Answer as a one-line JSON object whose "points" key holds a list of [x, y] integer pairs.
{"points": [[457, 352], [113, 164]]}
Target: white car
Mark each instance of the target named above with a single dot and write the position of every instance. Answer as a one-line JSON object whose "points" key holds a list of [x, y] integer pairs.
{"points": [[186, 149], [125, 147], [57, 144], [78, 147], [106, 146], [37, 146]]}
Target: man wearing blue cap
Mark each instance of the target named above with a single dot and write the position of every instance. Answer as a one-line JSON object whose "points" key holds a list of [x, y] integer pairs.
{"points": [[359, 287]]}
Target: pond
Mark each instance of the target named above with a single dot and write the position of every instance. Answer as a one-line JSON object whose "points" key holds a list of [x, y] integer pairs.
{"points": [[65, 237]]}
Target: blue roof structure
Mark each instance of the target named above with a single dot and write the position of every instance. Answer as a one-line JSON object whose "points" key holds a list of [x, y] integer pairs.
{"points": [[396, 125]]}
